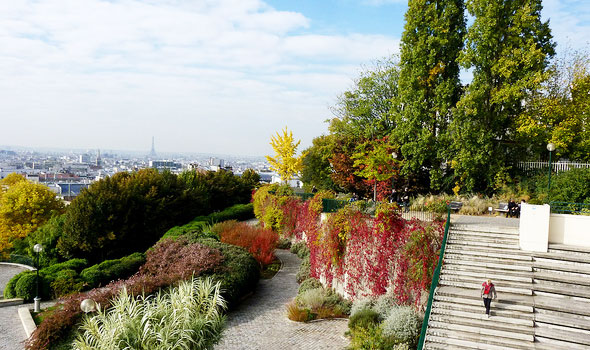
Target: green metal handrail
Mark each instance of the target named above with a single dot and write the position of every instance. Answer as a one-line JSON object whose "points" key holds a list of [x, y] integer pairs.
{"points": [[332, 205], [435, 278], [570, 208]]}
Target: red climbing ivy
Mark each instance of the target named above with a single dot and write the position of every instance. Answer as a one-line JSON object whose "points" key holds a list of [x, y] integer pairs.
{"points": [[368, 254]]}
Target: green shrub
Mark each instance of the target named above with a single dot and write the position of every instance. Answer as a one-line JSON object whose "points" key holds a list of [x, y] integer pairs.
{"points": [[26, 286], [239, 273], [238, 212], [371, 338], [26, 289], [73, 264], [304, 270], [363, 318], [310, 283], [9, 291], [66, 282], [284, 243], [300, 249], [361, 304], [403, 324], [193, 229], [109, 270], [384, 304], [323, 303]]}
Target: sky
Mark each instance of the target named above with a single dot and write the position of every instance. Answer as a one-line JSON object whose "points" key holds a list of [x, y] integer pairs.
{"points": [[206, 76]]}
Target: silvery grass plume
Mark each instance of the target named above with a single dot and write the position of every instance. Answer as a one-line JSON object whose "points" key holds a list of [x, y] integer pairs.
{"points": [[186, 317]]}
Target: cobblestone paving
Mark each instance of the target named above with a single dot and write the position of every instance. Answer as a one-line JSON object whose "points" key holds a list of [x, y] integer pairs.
{"points": [[12, 334], [261, 322], [6, 273]]}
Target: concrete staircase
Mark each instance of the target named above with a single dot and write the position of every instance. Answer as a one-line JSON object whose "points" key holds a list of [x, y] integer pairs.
{"points": [[562, 297], [541, 303]]}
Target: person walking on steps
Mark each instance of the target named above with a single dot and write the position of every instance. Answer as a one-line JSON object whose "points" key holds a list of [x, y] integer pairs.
{"points": [[488, 292]]}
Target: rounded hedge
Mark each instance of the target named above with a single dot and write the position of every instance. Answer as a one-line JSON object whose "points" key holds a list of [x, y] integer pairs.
{"points": [[239, 272]]}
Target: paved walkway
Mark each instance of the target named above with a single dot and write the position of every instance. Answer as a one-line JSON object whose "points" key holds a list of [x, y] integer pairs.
{"points": [[12, 334], [485, 220], [261, 322]]}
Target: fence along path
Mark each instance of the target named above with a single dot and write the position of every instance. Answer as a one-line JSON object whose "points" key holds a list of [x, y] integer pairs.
{"points": [[555, 166]]}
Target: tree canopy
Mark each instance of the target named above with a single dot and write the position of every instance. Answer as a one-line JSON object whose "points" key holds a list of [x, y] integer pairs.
{"points": [[285, 162], [24, 206]]}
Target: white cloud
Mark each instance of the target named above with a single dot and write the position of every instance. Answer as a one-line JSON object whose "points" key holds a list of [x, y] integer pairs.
{"points": [[109, 74], [569, 22]]}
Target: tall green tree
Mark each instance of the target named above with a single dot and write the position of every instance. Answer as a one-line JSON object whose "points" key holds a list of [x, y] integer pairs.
{"points": [[368, 110], [560, 112], [508, 48], [317, 170], [429, 85]]}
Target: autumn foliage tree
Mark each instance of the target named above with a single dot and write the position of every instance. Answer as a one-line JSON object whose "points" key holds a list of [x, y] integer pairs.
{"points": [[24, 206], [285, 162]]}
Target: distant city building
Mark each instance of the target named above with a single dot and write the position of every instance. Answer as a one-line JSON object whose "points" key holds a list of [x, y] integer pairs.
{"points": [[84, 159], [165, 165]]}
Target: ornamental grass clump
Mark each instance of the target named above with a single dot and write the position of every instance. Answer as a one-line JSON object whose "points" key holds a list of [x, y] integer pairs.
{"points": [[186, 317]]}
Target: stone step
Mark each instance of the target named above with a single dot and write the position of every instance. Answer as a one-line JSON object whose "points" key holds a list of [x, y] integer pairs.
{"points": [[562, 304], [478, 228], [542, 343], [562, 289], [561, 267], [553, 332], [485, 341], [487, 264], [484, 275], [562, 319], [528, 275], [452, 241], [555, 247], [487, 252], [486, 234], [478, 281], [441, 343], [507, 298], [459, 256], [562, 277], [514, 251], [444, 308], [482, 321], [467, 238], [482, 330], [562, 257], [496, 304], [475, 283]]}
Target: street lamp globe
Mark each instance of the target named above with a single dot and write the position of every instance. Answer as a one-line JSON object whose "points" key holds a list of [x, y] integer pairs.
{"points": [[550, 147], [88, 305], [38, 248]]}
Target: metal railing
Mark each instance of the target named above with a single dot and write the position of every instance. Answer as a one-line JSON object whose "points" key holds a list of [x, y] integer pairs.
{"points": [[555, 166], [332, 205], [434, 285], [304, 195], [570, 208]]}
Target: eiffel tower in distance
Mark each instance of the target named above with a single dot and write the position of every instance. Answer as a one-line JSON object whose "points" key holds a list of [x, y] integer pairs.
{"points": [[152, 154]]}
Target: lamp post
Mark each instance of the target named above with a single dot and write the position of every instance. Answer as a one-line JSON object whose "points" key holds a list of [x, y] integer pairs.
{"points": [[550, 148], [38, 248]]}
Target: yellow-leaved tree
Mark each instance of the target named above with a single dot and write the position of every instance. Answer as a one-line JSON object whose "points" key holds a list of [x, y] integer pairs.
{"points": [[24, 206], [285, 163]]}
